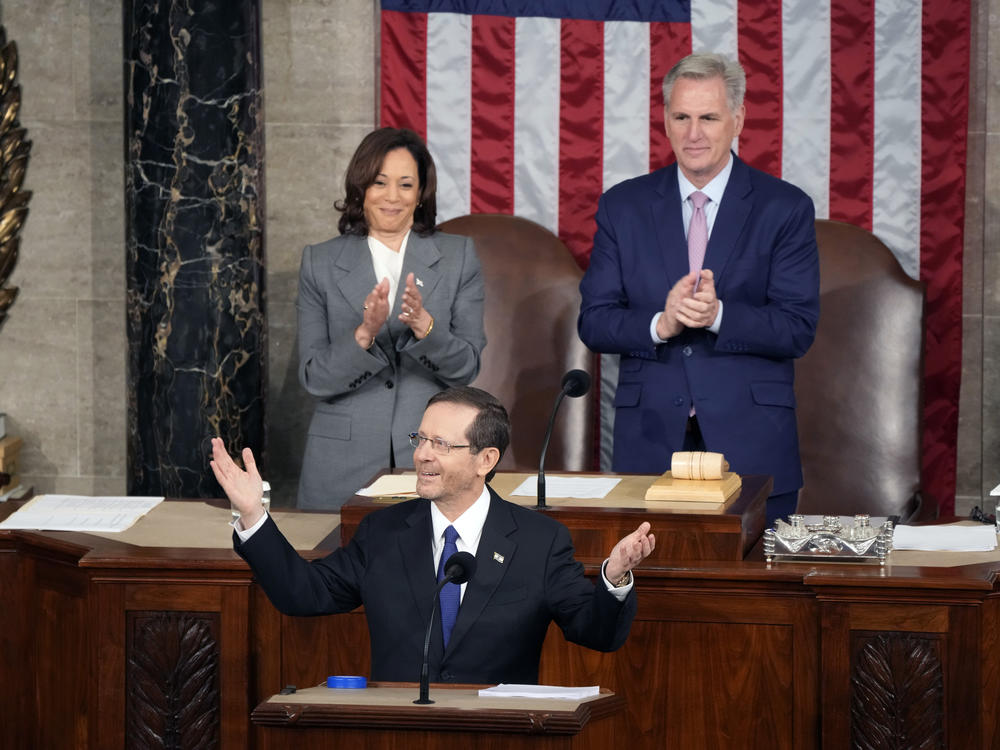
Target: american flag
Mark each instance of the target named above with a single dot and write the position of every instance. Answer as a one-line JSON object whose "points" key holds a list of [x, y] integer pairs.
{"points": [[535, 107]]}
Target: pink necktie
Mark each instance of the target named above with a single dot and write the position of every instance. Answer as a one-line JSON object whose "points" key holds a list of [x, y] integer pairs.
{"points": [[697, 239], [697, 232]]}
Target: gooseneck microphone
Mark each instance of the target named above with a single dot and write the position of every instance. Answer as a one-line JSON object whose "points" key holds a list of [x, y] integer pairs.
{"points": [[575, 383], [459, 568]]}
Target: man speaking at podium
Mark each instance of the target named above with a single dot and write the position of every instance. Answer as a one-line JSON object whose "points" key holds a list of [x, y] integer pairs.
{"points": [[525, 576]]}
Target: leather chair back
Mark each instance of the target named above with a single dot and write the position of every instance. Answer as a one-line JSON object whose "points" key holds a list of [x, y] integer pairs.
{"points": [[532, 301], [858, 389]]}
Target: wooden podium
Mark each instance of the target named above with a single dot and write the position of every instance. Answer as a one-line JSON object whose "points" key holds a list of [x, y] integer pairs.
{"points": [[723, 652], [384, 716]]}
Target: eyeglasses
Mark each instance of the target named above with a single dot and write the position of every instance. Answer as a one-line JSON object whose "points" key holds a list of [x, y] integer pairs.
{"points": [[437, 444]]}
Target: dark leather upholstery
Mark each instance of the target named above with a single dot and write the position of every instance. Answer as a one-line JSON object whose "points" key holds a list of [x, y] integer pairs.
{"points": [[858, 388], [532, 300]]}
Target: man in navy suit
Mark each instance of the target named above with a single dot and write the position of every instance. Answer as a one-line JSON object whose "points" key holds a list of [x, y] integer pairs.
{"points": [[525, 576], [707, 344]]}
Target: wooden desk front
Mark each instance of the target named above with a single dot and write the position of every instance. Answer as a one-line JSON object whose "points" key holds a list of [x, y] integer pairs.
{"points": [[597, 525], [723, 653]]}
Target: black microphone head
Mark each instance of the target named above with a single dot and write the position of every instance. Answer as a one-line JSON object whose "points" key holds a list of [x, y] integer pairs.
{"points": [[575, 383], [460, 567]]}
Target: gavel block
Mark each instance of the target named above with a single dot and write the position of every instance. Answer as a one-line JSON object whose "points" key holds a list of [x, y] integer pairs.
{"points": [[699, 478]]}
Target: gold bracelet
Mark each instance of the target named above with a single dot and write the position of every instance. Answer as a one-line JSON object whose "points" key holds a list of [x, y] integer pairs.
{"points": [[429, 328], [623, 580]]}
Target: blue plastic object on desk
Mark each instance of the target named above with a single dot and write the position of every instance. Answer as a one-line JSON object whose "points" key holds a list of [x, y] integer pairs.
{"points": [[351, 682]]}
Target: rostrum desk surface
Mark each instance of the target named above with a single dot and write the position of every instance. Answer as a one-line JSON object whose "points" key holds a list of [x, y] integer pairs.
{"points": [[384, 715], [723, 653]]}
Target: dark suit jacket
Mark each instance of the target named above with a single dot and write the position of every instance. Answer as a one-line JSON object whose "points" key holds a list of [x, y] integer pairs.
{"points": [[763, 254], [525, 578]]}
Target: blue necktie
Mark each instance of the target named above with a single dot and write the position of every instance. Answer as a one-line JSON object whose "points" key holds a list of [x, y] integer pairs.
{"points": [[450, 594]]}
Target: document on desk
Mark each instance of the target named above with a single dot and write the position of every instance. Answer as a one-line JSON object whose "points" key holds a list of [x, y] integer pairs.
{"points": [[583, 488], [951, 537], [540, 691], [80, 513], [392, 485]]}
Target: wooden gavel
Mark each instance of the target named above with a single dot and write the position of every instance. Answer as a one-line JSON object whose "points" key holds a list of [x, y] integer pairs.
{"points": [[697, 465]]}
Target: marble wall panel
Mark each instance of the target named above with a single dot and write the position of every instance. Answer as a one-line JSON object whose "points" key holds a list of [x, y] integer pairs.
{"points": [[101, 401], [990, 363], [991, 225], [979, 39], [319, 61], [55, 258], [39, 388], [73, 238], [47, 43], [969, 479], [973, 251], [71, 255], [991, 403], [97, 61], [991, 55]]}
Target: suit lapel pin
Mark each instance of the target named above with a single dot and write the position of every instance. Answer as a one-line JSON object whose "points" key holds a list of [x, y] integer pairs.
{"points": [[498, 557], [420, 282]]}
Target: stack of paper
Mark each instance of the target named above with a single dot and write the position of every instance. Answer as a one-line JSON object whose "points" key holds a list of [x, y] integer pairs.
{"points": [[581, 488], [80, 513], [392, 487], [541, 691], [951, 537]]}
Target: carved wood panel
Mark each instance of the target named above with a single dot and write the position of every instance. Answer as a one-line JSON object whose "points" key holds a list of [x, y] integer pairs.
{"points": [[897, 691], [172, 680]]}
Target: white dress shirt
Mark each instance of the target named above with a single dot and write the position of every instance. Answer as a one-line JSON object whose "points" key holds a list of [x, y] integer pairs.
{"points": [[388, 264]]}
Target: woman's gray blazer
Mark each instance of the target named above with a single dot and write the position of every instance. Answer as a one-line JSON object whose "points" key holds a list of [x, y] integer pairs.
{"points": [[369, 401]]}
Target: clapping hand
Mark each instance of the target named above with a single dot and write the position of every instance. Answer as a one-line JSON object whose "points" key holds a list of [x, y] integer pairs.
{"points": [[375, 312], [413, 312]]}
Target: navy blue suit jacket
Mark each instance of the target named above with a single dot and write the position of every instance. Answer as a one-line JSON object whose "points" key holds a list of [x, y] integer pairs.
{"points": [[525, 578], [762, 251]]}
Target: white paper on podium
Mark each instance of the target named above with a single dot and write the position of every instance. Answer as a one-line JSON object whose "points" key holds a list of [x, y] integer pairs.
{"points": [[80, 513], [583, 488], [540, 691], [951, 537], [394, 485]]}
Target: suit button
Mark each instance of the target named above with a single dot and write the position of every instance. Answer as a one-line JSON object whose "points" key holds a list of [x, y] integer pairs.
{"points": [[447, 676], [388, 384], [678, 401], [686, 351]]}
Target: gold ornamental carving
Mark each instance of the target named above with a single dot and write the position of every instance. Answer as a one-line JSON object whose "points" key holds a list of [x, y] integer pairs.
{"points": [[14, 150]]}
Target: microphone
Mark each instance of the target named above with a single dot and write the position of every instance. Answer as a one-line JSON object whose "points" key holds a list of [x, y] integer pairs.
{"points": [[459, 568], [575, 383]]}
